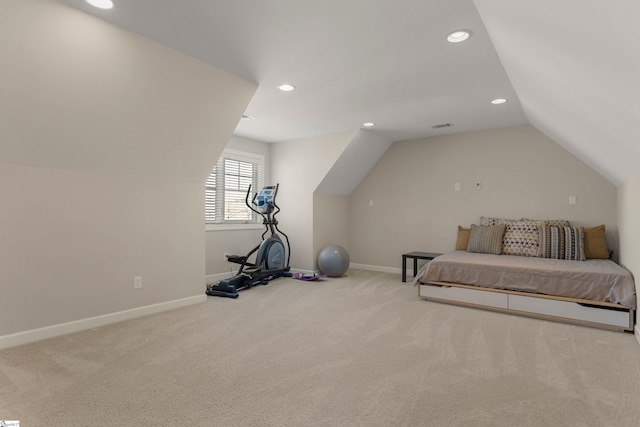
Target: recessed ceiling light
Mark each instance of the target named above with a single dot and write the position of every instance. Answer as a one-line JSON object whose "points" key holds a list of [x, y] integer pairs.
{"points": [[458, 36], [286, 87], [368, 124], [102, 4], [499, 101], [248, 117]]}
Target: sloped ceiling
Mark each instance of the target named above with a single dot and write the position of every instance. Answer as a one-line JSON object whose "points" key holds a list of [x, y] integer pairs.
{"points": [[362, 153], [108, 101], [352, 61], [568, 67], [575, 65]]}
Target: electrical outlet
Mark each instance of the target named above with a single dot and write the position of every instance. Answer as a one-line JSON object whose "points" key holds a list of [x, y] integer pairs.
{"points": [[478, 185], [137, 282]]}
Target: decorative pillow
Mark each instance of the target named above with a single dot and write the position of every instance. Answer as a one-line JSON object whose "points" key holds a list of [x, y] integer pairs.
{"points": [[522, 237], [463, 238], [551, 222], [562, 243], [595, 245], [486, 221], [486, 239], [557, 223]]}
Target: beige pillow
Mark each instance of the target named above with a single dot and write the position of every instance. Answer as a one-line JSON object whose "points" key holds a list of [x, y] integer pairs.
{"points": [[463, 238], [595, 245], [486, 239]]}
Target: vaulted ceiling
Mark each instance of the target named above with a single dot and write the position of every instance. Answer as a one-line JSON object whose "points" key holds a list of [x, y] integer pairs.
{"points": [[569, 68], [575, 65]]}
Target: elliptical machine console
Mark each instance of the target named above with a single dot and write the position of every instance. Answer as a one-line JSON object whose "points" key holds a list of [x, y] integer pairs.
{"points": [[271, 255], [264, 200]]}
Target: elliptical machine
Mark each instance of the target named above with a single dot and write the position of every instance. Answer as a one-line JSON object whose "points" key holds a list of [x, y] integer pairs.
{"points": [[272, 258]]}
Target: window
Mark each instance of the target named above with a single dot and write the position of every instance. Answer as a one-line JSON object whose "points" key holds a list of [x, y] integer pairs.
{"points": [[226, 188]]}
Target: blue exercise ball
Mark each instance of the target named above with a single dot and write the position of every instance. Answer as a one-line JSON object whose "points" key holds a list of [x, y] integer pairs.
{"points": [[333, 261]]}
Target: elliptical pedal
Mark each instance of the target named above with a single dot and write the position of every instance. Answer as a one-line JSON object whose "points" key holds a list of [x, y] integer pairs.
{"points": [[215, 293], [237, 259]]}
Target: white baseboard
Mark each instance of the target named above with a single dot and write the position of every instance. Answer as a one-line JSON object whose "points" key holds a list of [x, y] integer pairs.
{"points": [[32, 335], [376, 268]]}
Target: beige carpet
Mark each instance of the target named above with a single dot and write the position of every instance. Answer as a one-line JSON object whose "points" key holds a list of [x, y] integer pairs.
{"points": [[361, 350]]}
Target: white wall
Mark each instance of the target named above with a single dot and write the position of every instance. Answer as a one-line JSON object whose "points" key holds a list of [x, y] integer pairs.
{"points": [[523, 174], [330, 221], [72, 241], [299, 166], [107, 139]]}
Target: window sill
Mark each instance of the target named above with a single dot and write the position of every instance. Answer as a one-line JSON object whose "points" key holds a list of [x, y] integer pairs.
{"points": [[232, 227]]}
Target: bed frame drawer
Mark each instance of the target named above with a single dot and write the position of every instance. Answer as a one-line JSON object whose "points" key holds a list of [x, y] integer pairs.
{"points": [[582, 312], [569, 310], [467, 296]]}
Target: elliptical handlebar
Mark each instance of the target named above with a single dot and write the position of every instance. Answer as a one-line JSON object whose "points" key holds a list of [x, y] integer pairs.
{"points": [[246, 200], [269, 253], [275, 193], [269, 218]]}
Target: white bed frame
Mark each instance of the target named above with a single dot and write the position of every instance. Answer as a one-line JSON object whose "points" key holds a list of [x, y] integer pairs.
{"points": [[569, 310]]}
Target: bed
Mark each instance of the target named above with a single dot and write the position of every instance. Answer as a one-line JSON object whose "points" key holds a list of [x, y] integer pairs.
{"points": [[594, 292]]}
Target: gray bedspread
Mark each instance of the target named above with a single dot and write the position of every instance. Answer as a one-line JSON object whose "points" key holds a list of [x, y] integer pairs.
{"points": [[593, 279]]}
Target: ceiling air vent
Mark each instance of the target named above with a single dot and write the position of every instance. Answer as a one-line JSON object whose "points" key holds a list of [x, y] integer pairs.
{"points": [[443, 125]]}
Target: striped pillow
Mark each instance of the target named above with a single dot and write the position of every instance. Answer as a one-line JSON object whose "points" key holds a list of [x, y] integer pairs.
{"points": [[562, 243], [486, 239]]}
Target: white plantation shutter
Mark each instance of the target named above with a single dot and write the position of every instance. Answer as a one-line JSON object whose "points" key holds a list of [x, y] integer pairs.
{"points": [[210, 196], [226, 188]]}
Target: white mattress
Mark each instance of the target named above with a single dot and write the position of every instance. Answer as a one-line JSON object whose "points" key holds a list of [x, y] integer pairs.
{"points": [[593, 279]]}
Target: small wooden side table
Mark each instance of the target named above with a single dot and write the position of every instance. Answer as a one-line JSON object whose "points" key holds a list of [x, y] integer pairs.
{"points": [[415, 256]]}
